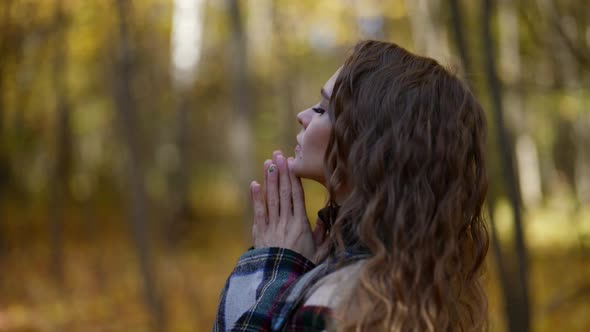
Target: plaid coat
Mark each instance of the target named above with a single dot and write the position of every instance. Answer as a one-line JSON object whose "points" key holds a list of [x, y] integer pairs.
{"points": [[266, 292]]}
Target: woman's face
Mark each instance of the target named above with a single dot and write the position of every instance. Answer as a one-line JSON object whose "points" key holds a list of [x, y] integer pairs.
{"points": [[313, 138]]}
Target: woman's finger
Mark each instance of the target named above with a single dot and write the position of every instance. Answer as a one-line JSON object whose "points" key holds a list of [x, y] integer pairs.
{"points": [[273, 160], [258, 205], [255, 218], [275, 154], [272, 195], [284, 189], [267, 163], [296, 193]]}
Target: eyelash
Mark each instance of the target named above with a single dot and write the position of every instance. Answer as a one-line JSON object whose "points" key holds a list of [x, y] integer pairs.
{"points": [[318, 110]]}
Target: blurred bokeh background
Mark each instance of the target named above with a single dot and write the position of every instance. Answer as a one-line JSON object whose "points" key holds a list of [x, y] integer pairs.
{"points": [[129, 132]]}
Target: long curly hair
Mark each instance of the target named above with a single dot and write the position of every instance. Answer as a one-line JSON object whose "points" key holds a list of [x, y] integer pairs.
{"points": [[408, 143]]}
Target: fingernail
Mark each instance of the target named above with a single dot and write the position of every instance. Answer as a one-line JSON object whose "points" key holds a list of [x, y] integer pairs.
{"points": [[280, 160], [272, 168]]}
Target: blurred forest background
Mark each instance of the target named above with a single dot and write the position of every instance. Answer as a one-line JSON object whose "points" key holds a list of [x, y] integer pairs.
{"points": [[129, 132]]}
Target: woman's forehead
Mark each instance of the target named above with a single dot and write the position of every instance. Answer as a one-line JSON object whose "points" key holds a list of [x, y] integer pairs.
{"points": [[329, 85]]}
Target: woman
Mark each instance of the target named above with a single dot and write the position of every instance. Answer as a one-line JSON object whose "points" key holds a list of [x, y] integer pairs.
{"points": [[398, 143]]}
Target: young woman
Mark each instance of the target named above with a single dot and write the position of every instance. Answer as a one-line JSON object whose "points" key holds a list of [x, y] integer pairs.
{"points": [[398, 142]]}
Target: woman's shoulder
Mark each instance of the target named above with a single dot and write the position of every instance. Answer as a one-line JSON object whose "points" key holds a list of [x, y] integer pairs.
{"points": [[322, 298], [332, 288]]}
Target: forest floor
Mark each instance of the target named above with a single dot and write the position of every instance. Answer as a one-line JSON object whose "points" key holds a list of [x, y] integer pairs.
{"points": [[102, 290]]}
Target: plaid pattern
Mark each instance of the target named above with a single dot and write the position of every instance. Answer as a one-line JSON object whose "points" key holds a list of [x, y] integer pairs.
{"points": [[309, 318], [290, 306], [267, 288], [259, 278]]}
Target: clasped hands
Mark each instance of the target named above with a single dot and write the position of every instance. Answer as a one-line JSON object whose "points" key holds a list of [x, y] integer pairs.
{"points": [[280, 217]]}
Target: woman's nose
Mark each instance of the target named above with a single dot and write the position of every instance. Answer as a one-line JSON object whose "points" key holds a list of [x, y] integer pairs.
{"points": [[301, 119]]}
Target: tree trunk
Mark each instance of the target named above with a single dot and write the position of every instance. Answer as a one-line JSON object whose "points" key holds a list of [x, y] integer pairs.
{"points": [[4, 165], [127, 118], [241, 132], [527, 160], [571, 61], [181, 210], [4, 31], [582, 163], [517, 308], [187, 34], [457, 24], [462, 48], [63, 146]]}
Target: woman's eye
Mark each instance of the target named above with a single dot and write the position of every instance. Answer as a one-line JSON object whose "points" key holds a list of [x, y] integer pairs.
{"points": [[318, 110]]}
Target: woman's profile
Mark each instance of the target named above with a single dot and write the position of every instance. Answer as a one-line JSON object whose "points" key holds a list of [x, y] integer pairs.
{"points": [[398, 142]]}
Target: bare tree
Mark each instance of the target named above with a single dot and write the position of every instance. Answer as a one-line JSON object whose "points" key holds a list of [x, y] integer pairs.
{"points": [[527, 160], [63, 146], [187, 35], [241, 129], [457, 24], [579, 51], [127, 118], [516, 301], [572, 58], [5, 30], [181, 209]]}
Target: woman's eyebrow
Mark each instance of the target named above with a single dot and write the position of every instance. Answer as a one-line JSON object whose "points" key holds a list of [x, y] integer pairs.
{"points": [[324, 94]]}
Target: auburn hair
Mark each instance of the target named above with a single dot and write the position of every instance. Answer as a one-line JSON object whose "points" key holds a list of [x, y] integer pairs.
{"points": [[408, 144]]}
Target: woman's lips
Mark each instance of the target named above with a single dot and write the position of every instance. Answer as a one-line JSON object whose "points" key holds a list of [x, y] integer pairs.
{"points": [[298, 148]]}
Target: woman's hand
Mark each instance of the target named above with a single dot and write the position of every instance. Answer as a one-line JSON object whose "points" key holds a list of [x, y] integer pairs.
{"points": [[280, 219]]}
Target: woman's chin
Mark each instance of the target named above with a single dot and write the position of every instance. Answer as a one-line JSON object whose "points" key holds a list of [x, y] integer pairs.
{"points": [[297, 169], [303, 173]]}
